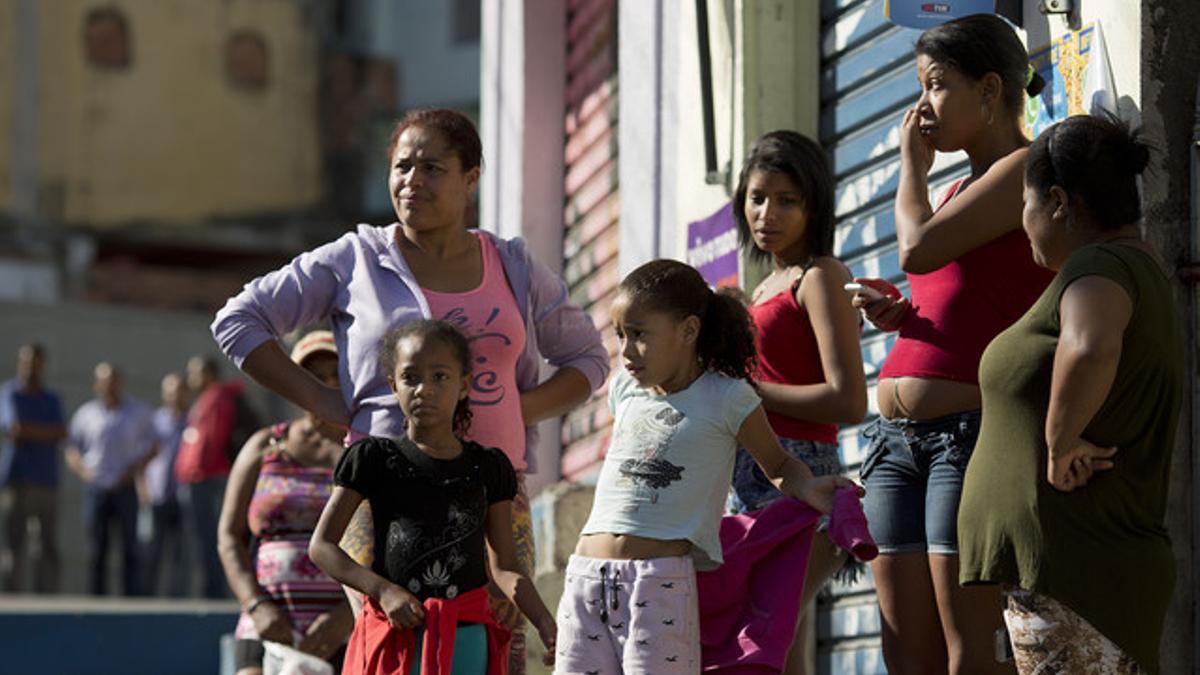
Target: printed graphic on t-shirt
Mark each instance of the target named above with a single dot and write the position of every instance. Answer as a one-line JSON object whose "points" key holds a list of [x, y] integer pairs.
{"points": [[434, 557], [486, 388], [650, 436]]}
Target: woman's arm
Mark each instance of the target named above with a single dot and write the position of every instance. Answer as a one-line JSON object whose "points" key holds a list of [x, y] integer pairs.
{"points": [[561, 393], [233, 543], [512, 581], [566, 335], [791, 476], [885, 311], [401, 607], [301, 293], [842, 397], [270, 367], [988, 208], [1093, 314], [328, 632]]}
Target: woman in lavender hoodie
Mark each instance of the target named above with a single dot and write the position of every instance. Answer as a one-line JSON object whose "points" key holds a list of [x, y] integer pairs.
{"points": [[427, 265]]}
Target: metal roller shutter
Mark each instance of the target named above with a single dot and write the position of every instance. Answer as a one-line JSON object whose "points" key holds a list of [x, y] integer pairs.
{"points": [[591, 239]]}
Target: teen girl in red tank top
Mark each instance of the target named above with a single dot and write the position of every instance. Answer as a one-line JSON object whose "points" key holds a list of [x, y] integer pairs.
{"points": [[971, 274], [810, 374]]}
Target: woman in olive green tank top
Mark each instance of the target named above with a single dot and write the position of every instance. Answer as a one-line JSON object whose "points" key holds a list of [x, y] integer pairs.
{"points": [[1064, 499]]}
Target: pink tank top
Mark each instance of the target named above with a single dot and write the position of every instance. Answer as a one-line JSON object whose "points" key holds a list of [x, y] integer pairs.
{"points": [[787, 354], [958, 308], [490, 318]]}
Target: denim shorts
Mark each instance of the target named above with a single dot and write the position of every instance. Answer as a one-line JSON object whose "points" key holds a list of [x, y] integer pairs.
{"points": [[751, 489], [913, 473]]}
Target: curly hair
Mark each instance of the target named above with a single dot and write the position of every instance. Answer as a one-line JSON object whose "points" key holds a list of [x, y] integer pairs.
{"points": [[438, 331]]}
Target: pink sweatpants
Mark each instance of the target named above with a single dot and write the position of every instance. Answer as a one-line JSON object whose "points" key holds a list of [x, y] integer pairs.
{"points": [[628, 617]]}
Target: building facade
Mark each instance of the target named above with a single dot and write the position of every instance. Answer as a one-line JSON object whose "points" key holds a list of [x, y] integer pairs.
{"points": [[604, 163], [155, 155]]}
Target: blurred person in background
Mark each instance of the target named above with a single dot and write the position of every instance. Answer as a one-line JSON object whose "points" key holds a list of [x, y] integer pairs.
{"points": [[159, 493], [31, 427], [218, 424], [110, 439], [276, 493]]}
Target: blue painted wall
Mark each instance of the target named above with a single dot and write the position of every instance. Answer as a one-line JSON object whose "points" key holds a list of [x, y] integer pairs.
{"points": [[98, 642]]}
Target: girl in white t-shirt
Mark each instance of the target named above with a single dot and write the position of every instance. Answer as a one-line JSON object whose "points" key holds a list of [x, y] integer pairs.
{"points": [[683, 404]]}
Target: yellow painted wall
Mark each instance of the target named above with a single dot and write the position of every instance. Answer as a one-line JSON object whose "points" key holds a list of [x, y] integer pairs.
{"points": [[168, 139], [8, 10]]}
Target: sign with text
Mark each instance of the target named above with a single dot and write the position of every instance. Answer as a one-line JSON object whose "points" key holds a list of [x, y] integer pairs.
{"points": [[924, 14], [712, 247]]}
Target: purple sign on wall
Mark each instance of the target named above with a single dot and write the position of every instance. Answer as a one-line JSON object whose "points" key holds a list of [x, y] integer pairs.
{"points": [[712, 247]]}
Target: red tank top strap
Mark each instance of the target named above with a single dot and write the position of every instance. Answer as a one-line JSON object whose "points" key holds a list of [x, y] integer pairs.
{"points": [[952, 192]]}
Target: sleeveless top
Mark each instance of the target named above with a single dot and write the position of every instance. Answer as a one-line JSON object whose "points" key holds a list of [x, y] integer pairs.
{"points": [[287, 502], [958, 308], [488, 315], [1103, 550], [788, 354]]}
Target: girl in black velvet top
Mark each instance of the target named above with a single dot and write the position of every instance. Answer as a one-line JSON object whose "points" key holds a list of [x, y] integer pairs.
{"points": [[436, 500]]}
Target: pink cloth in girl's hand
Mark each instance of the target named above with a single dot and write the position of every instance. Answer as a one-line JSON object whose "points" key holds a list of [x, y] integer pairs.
{"points": [[749, 605], [848, 525]]}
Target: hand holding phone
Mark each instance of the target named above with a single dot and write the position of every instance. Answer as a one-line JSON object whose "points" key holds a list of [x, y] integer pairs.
{"points": [[881, 302], [868, 293]]}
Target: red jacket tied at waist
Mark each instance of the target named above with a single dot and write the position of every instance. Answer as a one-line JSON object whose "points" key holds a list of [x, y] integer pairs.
{"points": [[376, 648]]}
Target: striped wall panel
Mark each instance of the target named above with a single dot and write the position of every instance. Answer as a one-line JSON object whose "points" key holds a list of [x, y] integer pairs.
{"points": [[592, 205]]}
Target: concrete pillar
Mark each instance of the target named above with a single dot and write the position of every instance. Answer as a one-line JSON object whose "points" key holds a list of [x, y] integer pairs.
{"points": [[642, 107], [523, 45]]}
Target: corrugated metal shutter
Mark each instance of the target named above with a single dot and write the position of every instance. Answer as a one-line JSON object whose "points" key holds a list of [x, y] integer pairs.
{"points": [[868, 78], [591, 239]]}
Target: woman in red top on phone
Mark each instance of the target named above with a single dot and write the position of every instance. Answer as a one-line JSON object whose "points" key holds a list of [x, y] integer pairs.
{"points": [[971, 274]]}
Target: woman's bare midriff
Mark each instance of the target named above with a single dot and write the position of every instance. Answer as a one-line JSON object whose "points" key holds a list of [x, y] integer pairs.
{"points": [[608, 546], [924, 399]]}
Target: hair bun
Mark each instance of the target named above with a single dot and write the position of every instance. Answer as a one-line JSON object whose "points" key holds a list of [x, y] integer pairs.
{"points": [[1136, 156], [1035, 85]]}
